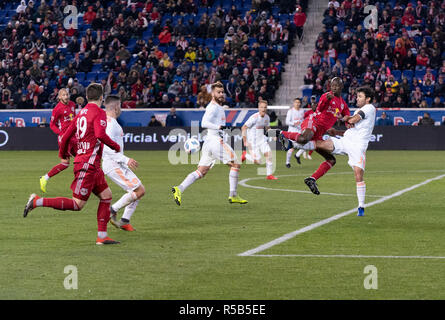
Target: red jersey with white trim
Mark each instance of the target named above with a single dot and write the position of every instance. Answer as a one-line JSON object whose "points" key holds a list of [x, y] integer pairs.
{"points": [[308, 113], [328, 111], [62, 116], [89, 126]]}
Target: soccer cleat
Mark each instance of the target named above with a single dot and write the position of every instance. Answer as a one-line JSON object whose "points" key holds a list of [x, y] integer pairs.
{"points": [[287, 165], [309, 157], [243, 156], [29, 205], [312, 184], [304, 155], [297, 158], [360, 212], [107, 240], [286, 144], [127, 227], [271, 177], [43, 183], [177, 195], [123, 225], [237, 199]]}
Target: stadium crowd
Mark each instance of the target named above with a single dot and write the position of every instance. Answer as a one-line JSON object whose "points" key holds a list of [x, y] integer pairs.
{"points": [[159, 53], [403, 58]]}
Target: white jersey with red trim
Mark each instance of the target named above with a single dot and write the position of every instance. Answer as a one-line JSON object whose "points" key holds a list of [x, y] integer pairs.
{"points": [[255, 128]]}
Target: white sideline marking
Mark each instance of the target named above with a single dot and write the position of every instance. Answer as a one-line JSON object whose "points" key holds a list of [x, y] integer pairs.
{"points": [[333, 218], [244, 183], [344, 256]]}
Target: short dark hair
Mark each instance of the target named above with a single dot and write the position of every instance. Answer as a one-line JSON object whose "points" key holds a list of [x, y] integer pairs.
{"points": [[112, 98], [94, 91], [217, 84], [367, 91]]}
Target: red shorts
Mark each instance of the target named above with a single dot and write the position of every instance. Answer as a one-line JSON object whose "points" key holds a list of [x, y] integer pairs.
{"points": [[72, 145], [311, 124], [87, 179]]}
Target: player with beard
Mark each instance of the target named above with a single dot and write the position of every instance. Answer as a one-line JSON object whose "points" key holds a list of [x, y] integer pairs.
{"points": [[61, 117], [214, 148]]}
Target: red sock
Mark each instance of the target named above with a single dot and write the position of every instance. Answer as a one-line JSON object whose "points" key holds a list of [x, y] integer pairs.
{"points": [[322, 169], [57, 168], [311, 152], [103, 214], [56, 203], [291, 135]]}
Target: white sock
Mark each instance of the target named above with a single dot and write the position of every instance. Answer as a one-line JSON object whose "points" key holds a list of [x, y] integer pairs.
{"points": [[361, 191], [46, 177], [192, 177], [124, 201], [269, 167], [289, 155], [102, 234], [233, 181], [129, 210], [300, 152]]}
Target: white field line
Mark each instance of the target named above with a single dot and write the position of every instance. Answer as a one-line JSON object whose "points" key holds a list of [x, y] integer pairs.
{"points": [[345, 256], [244, 183], [333, 218]]}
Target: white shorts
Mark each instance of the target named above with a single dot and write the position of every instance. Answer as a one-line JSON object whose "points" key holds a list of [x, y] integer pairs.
{"points": [[124, 178], [257, 150], [294, 129], [355, 152], [214, 148]]}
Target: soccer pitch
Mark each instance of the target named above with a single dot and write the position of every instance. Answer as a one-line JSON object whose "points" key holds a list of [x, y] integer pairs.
{"points": [[281, 245]]}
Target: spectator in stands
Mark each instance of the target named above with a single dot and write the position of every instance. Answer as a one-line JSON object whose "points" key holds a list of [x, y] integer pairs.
{"points": [[384, 120], [299, 21], [173, 120], [154, 122], [90, 15], [437, 103], [426, 120], [43, 123], [399, 103]]}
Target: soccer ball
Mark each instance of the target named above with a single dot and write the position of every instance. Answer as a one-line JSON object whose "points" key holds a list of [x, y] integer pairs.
{"points": [[192, 145]]}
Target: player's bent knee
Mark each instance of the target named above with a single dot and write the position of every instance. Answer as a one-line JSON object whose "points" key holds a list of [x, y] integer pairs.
{"points": [[80, 204], [140, 191]]}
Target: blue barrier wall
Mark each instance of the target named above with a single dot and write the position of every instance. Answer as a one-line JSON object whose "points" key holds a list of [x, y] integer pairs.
{"points": [[235, 117]]}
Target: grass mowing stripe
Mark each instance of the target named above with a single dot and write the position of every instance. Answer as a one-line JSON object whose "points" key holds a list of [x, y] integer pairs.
{"points": [[333, 218]]}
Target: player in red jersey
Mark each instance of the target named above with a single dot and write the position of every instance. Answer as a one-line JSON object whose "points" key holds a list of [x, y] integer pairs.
{"points": [[331, 107], [62, 115], [89, 127]]}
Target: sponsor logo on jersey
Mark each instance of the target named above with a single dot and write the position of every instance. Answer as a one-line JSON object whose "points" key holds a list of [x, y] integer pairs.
{"points": [[103, 123], [83, 191]]}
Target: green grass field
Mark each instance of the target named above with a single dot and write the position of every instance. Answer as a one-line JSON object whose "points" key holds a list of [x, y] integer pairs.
{"points": [[191, 252]]}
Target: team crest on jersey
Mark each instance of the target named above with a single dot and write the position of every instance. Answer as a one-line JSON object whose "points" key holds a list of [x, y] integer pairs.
{"points": [[83, 191], [103, 123]]}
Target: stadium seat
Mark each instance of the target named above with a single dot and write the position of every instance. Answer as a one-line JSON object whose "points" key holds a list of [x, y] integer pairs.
{"points": [[91, 76], [408, 74], [102, 76], [397, 74], [429, 101], [307, 93], [96, 67], [80, 76], [419, 74]]}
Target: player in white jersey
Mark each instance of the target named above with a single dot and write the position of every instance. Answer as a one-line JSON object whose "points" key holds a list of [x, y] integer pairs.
{"points": [[294, 118], [354, 141], [119, 168], [214, 148], [255, 141]]}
